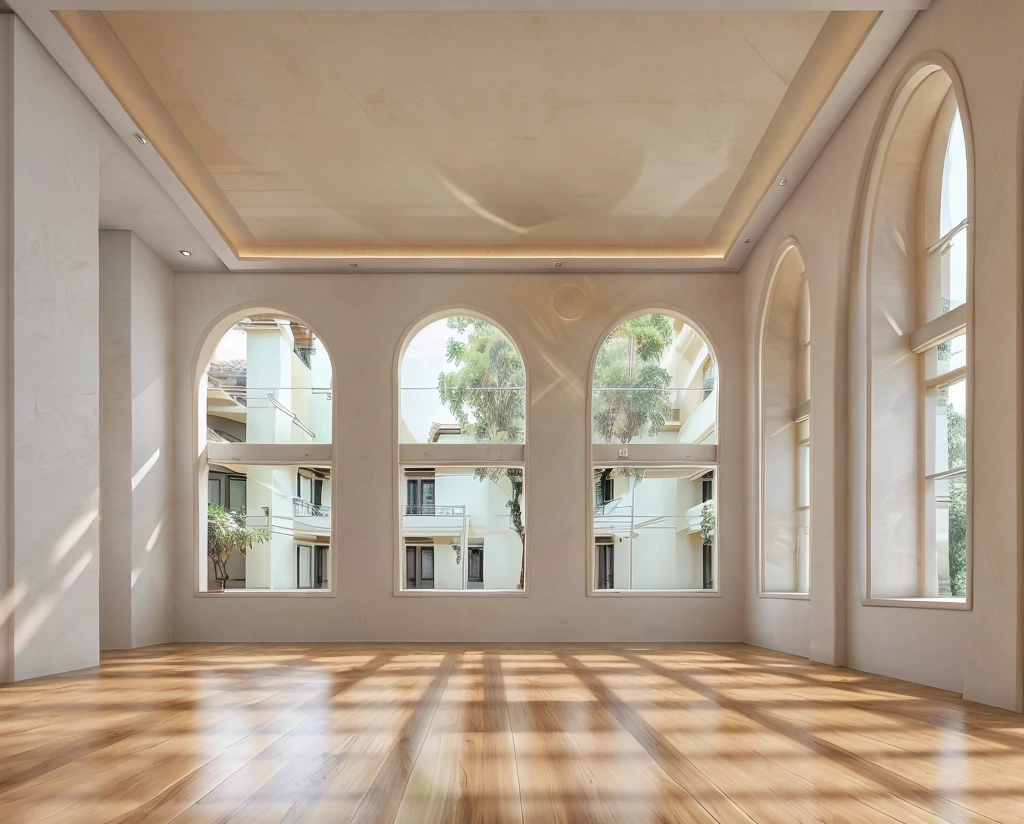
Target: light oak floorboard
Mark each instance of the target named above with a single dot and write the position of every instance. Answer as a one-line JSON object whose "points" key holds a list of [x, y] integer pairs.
{"points": [[497, 734]]}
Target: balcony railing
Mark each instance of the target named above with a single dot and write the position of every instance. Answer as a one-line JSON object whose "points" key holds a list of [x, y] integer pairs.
{"points": [[307, 509], [435, 509]]}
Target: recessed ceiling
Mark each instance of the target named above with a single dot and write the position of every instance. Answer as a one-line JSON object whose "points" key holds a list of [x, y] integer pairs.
{"points": [[474, 134]]}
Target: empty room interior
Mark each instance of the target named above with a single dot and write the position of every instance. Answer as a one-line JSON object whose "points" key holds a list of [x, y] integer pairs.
{"points": [[497, 411]]}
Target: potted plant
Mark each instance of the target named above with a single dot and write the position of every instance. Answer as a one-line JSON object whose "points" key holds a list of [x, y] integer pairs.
{"points": [[226, 533]]}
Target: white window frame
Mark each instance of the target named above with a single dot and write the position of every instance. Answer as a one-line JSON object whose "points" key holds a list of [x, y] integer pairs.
{"points": [[315, 455], [667, 455], [449, 455], [930, 333]]}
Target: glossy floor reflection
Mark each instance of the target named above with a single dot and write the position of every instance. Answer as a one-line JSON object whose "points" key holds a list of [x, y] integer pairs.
{"points": [[496, 733]]}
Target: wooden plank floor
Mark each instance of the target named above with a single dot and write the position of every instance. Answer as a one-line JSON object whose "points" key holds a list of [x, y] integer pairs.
{"points": [[494, 734]]}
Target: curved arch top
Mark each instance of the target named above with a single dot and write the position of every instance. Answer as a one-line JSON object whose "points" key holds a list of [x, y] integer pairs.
{"points": [[461, 379], [912, 326], [654, 379], [784, 426]]}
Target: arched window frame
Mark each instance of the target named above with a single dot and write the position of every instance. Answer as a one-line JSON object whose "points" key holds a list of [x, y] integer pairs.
{"points": [[801, 415], [928, 333], [251, 454], [692, 456], [468, 455]]}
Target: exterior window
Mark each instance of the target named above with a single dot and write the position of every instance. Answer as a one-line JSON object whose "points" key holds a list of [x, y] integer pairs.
{"points": [[266, 399], [785, 430], [419, 566], [462, 396], [920, 355], [654, 408], [475, 573]]}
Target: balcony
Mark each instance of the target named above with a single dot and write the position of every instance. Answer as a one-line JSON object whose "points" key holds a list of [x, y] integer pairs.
{"points": [[429, 520], [310, 517]]}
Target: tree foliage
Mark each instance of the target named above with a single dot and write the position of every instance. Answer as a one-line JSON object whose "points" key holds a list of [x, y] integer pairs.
{"points": [[226, 533], [956, 436], [485, 391], [630, 386]]}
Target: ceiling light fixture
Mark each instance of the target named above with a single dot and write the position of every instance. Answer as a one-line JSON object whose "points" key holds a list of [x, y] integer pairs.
{"points": [[185, 253], [558, 263], [354, 265], [747, 240], [141, 138], [783, 182]]}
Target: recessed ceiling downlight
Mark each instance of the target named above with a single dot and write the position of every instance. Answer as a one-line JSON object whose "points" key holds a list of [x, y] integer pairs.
{"points": [[185, 253], [141, 138]]}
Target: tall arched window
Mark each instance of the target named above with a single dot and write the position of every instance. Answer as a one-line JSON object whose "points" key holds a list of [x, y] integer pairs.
{"points": [[462, 436], [655, 458], [265, 494], [919, 276], [785, 430]]}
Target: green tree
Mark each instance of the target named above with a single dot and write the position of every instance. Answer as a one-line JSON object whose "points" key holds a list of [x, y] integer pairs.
{"points": [[227, 533], [956, 440], [485, 394], [630, 387]]}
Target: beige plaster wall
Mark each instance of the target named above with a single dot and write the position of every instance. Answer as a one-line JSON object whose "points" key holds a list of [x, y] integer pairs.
{"points": [[362, 320], [976, 652]]}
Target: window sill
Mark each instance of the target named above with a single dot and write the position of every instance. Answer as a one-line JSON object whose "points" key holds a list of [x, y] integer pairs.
{"points": [[955, 604], [461, 593], [265, 593], [785, 596], [655, 593]]}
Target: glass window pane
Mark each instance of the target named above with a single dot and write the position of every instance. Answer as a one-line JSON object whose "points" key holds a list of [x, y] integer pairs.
{"points": [[804, 475], [950, 497], [481, 507], [948, 263], [269, 381], [949, 356], [273, 523], [654, 382], [661, 529], [950, 420], [954, 178], [462, 381]]}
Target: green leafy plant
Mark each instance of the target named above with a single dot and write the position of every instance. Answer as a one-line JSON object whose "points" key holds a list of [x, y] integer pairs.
{"points": [[707, 524], [956, 440], [227, 533], [630, 386], [485, 391]]}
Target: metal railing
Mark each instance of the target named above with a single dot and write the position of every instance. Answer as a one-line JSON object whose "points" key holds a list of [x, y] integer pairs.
{"points": [[307, 509], [435, 509]]}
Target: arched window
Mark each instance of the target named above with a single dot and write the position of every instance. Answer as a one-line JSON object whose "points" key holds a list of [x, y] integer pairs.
{"points": [[654, 416], [462, 436], [918, 292], [265, 493], [785, 430]]}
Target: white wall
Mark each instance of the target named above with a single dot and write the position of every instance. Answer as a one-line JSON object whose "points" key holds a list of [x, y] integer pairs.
{"points": [[51, 603], [361, 320], [976, 652], [115, 440], [152, 554], [135, 443]]}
